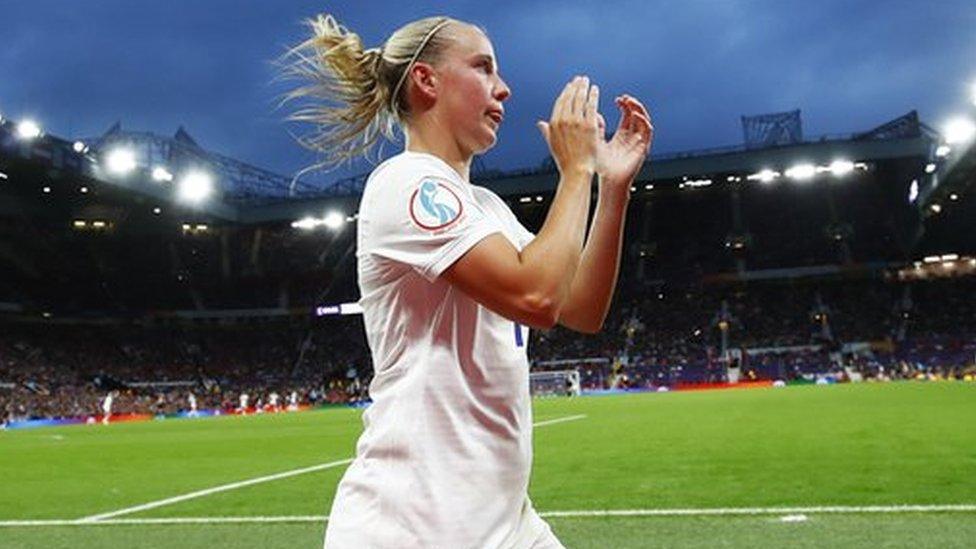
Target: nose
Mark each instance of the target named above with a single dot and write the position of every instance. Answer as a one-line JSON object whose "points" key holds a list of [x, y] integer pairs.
{"points": [[502, 91]]}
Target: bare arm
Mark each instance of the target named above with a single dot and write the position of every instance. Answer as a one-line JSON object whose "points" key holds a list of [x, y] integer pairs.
{"points": [[593, 286], [596, 278]]}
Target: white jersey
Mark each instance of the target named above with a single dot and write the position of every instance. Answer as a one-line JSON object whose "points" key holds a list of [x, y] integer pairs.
{"points": [[107, 404], [445, 456]]}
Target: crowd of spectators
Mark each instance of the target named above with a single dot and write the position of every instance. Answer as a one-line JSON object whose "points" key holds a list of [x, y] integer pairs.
{"points": [[654, 336]]}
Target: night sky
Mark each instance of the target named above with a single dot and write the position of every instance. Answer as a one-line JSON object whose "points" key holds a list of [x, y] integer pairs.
{"points": [[78, 67]]}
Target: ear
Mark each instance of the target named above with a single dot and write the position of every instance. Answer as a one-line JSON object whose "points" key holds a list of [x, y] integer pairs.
{"points": [[425, 80]]}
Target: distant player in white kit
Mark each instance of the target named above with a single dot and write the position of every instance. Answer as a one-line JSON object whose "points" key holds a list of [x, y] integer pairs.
{"points": [[293, 401], [107, 407], [242, 401], [192, 398], [273, 401], [451, 281]]}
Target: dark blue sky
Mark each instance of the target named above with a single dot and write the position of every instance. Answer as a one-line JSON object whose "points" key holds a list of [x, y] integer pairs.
{"points": [[78, 67]]}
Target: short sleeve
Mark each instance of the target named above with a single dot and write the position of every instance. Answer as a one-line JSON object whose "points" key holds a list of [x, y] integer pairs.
{"points": [[424, 219]]}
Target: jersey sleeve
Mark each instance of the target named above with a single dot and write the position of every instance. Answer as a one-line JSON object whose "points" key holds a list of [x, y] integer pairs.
{"points": [[426, 220]]}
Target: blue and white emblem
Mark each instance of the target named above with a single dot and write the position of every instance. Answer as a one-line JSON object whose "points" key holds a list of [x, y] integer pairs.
{"points": [[433, 205]]}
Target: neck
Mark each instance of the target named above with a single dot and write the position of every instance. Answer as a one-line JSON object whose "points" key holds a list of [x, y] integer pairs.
{"points": [[431, 137]]}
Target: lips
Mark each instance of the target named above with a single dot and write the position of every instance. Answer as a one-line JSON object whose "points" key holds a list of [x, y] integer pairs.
{"points": [[496, 116]]}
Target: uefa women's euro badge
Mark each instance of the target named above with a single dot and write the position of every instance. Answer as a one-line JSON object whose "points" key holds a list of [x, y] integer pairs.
{"points": [[434, 206]]}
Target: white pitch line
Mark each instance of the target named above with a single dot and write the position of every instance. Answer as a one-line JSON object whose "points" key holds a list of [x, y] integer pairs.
{"points": [[558, 420], [214, 490], [835, 509], [253, 481]]}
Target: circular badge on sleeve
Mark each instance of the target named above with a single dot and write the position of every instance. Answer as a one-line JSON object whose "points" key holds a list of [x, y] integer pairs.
{"points": [[433, 205]]}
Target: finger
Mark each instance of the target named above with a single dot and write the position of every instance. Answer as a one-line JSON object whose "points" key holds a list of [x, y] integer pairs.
{"points": [[559, 106], [593, 103], [639, 106], [579, 97], [601, 123], [643, 127], [543, 129]]}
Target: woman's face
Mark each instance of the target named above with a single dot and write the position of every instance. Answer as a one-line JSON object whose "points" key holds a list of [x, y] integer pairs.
{"points": [[471, 92]]}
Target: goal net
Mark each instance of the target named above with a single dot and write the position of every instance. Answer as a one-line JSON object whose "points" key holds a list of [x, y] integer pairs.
{"points": [[557, 383]]}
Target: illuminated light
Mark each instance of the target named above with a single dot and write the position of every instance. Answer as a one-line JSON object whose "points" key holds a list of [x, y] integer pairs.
{"points": [[195, 187], [305, 223], [932, 259], [694, 183], [28, 129], [953, 197], [187, 227], [79, 224], [84, 190], [913, 191], [936, 208], [950, 257], [633, 189], [157, 210], [840, 168], [525, 199], [539, 198], [201, 227], [730, 178], [46, 314], [121, 161], [79, 147], [3, 176], [46, 190], [98, 224], [861, 166], [160, 173], [649, 187], [958, 130], [943, 150], [930, 167], [801, 172], [764, 176], [334, 220]]}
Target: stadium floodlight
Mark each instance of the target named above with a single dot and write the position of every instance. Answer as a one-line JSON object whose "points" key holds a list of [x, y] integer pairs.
{"points": [[84, 190], [80, 147], [649, 187], [913, 191], [936, 208], [764, 176], [305, 223], [334, 220], [157, 210], [160, 173], [840, 168], [801, 172], [195, 187], [525, 199], [121, 161], [46, 190], [930, 167], [953, 197], [79, 224], [943, 151], [28, 129], [4, 176], [959, 130]]}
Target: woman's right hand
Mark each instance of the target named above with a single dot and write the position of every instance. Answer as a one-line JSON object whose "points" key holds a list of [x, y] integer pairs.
{"points": [[573, 131]]}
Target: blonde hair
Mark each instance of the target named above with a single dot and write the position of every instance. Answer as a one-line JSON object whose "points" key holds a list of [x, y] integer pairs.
{"points": [[359, 95]]}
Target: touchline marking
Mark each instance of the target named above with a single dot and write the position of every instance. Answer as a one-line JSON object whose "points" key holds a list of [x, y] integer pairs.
{"points": [[253, 481], [835, 509], [214, 490]]}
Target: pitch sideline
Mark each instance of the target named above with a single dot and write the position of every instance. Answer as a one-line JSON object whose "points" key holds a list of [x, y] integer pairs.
{"points": [[727, 511], [250, 482]]}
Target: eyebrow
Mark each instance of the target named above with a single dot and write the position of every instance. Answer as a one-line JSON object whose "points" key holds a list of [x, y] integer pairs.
{"points": [[485, 57]]}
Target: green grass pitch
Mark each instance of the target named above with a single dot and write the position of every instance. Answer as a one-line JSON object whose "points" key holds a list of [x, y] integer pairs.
{"points": [[847, 445]]}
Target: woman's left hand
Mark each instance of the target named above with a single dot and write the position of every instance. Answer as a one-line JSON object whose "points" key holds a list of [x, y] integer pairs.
{"points": [[619, 159]]}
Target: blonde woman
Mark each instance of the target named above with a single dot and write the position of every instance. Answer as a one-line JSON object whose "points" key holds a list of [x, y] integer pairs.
{"points": [[450, 280]]}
